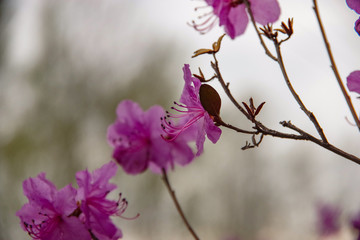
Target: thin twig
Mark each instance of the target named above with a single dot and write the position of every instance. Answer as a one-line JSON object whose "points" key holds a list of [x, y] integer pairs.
{"points": [[323, 144], [334, 67], [225, 86], [310, 115], [222, 123], [177, 205], [267, 51]]}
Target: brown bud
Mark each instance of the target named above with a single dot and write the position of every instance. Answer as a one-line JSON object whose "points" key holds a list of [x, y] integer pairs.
{"points": [[215, 46], [210, 100], [287, 29], [267, 30]]}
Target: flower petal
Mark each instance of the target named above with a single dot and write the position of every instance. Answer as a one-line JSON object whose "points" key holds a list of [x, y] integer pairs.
{"points": [[357, 26], [354, 5], [70, 228], [190, 94], [213, 132], [265, 11], [353, 81], [200, 138], [133, 159], [237, 21], [39, 190], [129, 112], [152, 120]]}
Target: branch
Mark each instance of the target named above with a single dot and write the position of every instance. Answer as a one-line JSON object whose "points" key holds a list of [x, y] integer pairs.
{"points": [[334, 67], [321, 143], [177, 205], [310, 115]]}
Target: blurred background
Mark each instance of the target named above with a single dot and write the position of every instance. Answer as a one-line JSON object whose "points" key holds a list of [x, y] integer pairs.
{"points": [[65, 65]]}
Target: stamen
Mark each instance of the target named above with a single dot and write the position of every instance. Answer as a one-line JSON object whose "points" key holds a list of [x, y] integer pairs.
{"points": [[122, 205], [38, 230]]}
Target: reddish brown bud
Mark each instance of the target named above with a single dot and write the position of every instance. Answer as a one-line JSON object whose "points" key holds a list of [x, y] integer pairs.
{"points": [[210, 100]]}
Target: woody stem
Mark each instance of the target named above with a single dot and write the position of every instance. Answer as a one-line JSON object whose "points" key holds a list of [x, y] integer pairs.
{"points": [[334, 67], [177, 204]]}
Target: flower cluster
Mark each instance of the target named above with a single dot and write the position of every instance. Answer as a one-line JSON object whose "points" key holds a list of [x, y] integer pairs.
{"points": [[152, 139], [355, 5], [69, 213], [232, 15]]}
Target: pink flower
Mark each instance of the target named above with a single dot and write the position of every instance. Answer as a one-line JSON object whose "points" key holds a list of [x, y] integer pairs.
{"points": [[232, 15], [353, 81], [96, 209], [194, 121], [137, 142], [48, 214], [355, 5]]}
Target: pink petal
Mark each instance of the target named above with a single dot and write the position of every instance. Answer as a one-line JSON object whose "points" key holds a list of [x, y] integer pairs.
{"points": [[70, 228], [357, 26], [213, 132], [133, 160], [190, 94], [265, 11], [182, 153], [103, 228], [152, 120], [237, 21], [354, 5], [160, 151], [200, 138], [40, 190], [129, 112], [353, 81], [65, 200]]}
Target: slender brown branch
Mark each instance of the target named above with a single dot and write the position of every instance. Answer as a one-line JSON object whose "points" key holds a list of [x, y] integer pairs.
{"points": [[221, 123], [225, 86], [321, 143], [310, 115], [334, 67], [177, 205], [267, 51]]}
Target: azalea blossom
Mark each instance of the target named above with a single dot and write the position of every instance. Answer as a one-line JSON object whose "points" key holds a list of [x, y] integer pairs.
{"points": [[136, 138], [353, 81], [232, 15], [355, 5], [96, 209], [69, 213], [194, 122], [48, 214]]}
